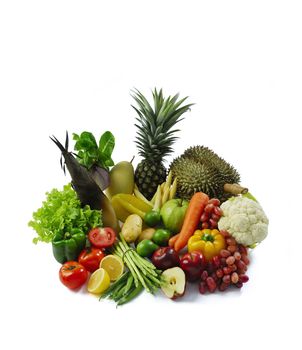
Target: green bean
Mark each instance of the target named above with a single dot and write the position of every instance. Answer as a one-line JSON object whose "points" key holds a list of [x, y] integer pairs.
{"points": [[142, 274], [115, 293], [129, 284], [115, 285], [133, 265], [130, 264], [135, 292]]}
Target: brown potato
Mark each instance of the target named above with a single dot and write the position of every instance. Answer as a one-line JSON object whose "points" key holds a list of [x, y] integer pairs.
{"points": [[146, 234]]}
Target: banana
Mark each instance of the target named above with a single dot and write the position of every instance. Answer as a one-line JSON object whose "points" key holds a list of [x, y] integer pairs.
{"points": [[157, 202], [173, 189], [165, 195], [162, 187], [139, 195], [169, 179]]}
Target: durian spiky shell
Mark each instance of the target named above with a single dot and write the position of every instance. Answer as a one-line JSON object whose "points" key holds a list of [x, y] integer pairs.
{"points": [[200, 169], [203, 154]]}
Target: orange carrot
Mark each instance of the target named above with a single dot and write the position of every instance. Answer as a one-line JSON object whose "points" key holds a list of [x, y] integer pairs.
{"points": [[194, 211], [172, 240]]}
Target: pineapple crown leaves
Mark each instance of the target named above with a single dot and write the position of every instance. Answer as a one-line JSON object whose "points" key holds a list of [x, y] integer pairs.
{"points": [[154, 137]]}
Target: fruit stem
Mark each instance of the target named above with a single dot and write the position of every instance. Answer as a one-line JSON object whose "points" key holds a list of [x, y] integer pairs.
{"points": [[235, 189]]}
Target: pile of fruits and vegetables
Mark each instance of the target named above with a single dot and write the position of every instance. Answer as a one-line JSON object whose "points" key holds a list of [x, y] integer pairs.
{"points": [[121, 230]]}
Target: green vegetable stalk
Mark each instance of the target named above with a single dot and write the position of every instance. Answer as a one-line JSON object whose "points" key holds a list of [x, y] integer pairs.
{"points": [[123, 290], [143, 271], [60, 213]]}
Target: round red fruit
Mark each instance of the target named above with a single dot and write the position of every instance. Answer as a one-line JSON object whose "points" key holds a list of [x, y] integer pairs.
{"points": [[211, 284], [213, 223], [204, 217], [102, 237], [209, 208], [243, 278], [217, 211], [90, 258], [193, 264], [205, 225], [234, 277], [216, 261], [73, 275], [215, 217], [223, 286], [214, 201], [202, 287]]}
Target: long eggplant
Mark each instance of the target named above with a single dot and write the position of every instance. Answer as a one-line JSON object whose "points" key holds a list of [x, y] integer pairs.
{"points": [[86, 188]]}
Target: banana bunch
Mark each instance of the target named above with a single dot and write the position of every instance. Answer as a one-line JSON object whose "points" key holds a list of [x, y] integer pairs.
{"points": [[165, 192]]}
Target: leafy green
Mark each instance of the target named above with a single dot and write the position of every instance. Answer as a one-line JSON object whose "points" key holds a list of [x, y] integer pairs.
{"points": [[92, 153], [106, 146], [62, 211]]}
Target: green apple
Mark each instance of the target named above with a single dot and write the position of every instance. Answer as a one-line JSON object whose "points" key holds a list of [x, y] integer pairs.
{"points": [[173, 213]]}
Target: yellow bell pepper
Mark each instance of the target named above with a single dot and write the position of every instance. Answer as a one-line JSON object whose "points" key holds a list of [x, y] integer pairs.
{"points": [[209, 242], [127, 204]]}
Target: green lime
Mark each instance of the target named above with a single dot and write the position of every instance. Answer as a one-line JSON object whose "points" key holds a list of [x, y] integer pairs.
{"points": [[146, 247], [161, 237], [152, 218]]}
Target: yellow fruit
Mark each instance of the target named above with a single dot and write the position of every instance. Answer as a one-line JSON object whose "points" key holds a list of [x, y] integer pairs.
{"points": [[98, 282], [126, 204], [113, 265]]}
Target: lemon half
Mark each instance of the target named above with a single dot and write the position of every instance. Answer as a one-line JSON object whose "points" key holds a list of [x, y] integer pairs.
{"points": [[113, 265], [98, 282]]}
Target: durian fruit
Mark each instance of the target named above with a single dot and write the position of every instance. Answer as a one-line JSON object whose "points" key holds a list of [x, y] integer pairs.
{"points": [[201, 169]]}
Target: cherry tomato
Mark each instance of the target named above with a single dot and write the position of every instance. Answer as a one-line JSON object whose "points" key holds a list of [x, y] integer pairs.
{"points": [[102, 237], [73, 275], [90, 258]]}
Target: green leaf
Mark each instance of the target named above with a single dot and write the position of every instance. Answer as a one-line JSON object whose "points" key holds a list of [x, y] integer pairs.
{"points": [[90, 153], [62, 211], [109, 162], [106, 144], [76, 137]]}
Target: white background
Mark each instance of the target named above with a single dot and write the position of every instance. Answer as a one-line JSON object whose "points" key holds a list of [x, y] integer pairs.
{"points": [[70, 65]]}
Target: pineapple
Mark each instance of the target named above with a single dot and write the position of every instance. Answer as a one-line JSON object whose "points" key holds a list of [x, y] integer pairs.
{"points": [[154, 137]]}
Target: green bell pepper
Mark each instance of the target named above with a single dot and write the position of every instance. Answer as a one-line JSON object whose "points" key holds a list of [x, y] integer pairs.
{"points": [[66, 246]]}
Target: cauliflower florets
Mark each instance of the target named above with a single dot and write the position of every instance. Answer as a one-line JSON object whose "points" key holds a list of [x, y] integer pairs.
{"points": [[244, 219]]}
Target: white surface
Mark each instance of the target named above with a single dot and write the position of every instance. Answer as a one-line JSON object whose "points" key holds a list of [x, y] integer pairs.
{"points": [[70, 65]]}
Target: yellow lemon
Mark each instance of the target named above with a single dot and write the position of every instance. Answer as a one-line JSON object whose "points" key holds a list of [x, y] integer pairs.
{"points": [[113, 265], [98, 282]]}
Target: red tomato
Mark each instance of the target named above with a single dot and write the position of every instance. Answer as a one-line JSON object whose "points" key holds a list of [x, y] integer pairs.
{"points": [[73, 275], [90, 258], [102, 237]]}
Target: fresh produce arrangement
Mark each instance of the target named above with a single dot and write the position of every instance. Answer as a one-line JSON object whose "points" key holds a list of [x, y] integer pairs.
{"points": [[119, 230]]}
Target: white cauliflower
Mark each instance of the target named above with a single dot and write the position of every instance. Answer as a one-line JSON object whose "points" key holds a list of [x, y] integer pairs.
{"points": [[244, 219]]}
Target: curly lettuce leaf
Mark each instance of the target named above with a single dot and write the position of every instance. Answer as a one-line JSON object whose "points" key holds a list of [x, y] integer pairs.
{"points": [[62, 211]]}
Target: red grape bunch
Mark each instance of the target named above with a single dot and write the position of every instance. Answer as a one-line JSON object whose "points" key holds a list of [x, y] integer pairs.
{"points": [[211, 214], [226, 269]]}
